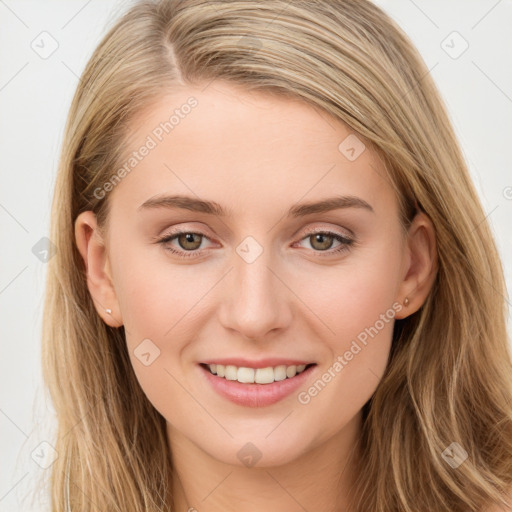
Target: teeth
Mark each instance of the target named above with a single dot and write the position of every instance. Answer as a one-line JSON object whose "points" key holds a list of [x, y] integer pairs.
{"points": [[280, 372], [259, 375], [245, 375], [291, 371], [264, 375], [231, 373]]}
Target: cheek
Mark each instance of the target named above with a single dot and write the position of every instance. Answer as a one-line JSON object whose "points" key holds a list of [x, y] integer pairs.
{"points": [[155, 295], [352, 296], [354, 303], [157, 302]]}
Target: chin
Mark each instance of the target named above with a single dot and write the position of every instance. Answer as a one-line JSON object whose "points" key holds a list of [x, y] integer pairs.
{"points": [[262, 451]]}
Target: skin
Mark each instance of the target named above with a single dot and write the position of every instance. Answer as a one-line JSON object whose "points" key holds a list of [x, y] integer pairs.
{"points": [[258, 155]]}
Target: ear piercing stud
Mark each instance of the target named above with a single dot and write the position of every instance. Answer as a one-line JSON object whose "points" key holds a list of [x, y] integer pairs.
{"points": [[109, 311], [406, 301]]}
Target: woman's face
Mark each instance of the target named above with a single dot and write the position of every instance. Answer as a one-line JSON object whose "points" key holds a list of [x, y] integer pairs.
{"points": [[253, 286]]}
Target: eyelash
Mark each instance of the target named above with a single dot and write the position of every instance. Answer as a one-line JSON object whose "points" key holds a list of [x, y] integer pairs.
{"points": [[346, 243]]}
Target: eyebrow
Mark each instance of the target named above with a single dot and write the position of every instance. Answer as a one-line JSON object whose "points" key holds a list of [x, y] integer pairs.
{"points": [[213, 208]]}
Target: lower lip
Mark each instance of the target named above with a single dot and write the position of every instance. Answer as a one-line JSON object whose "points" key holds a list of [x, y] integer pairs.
{"points": [[255, 395]]}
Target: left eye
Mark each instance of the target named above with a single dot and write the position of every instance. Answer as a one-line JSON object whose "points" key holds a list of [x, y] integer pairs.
{"points": [[323, 240], [189, 242]]}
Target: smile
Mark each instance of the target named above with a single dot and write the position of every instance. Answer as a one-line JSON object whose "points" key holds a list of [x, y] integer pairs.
{"points": [[256, 387], [247, 375]]}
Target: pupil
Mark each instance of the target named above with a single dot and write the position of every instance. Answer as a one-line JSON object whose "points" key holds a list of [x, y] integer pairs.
{"points": [[321, 238], [189, 238]]}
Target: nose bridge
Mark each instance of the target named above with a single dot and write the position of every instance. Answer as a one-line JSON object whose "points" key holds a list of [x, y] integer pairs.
{"points": [[255, 301]]}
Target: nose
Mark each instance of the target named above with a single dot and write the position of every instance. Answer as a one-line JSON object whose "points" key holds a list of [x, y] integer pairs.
{"points": [[256, 300]]}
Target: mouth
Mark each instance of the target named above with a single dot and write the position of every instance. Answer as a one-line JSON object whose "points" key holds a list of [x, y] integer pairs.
{"points": [[256, 387], [248, 375]]}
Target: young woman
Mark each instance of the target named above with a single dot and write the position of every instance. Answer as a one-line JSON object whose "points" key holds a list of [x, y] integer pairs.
{"points": [[275, 287]]}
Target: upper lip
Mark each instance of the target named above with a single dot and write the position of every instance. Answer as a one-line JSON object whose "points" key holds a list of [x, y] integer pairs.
{"points": [[260, 363]]}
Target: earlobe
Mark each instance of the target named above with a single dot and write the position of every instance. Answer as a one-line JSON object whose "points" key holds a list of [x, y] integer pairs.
{"points": [[93, 250], [421, 270]]}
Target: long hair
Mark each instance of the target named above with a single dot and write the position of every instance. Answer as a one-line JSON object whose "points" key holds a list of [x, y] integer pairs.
{"points": [[448, 378]]}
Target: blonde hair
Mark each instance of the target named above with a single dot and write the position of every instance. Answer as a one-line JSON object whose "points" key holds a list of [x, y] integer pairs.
{"points": [[449, 374]]}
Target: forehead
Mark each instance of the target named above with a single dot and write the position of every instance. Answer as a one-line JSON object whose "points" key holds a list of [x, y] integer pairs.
{"points": [[249, 150]]}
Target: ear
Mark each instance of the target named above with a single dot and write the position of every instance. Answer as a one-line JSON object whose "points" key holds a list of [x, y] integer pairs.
{"points": [[93, 250], [420, 267]]}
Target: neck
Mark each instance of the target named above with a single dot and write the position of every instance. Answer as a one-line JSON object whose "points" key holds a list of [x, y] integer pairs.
{"points": [[320, 478]]}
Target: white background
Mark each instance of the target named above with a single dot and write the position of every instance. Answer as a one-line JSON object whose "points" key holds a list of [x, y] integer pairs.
{"points": [[35, 94]]}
